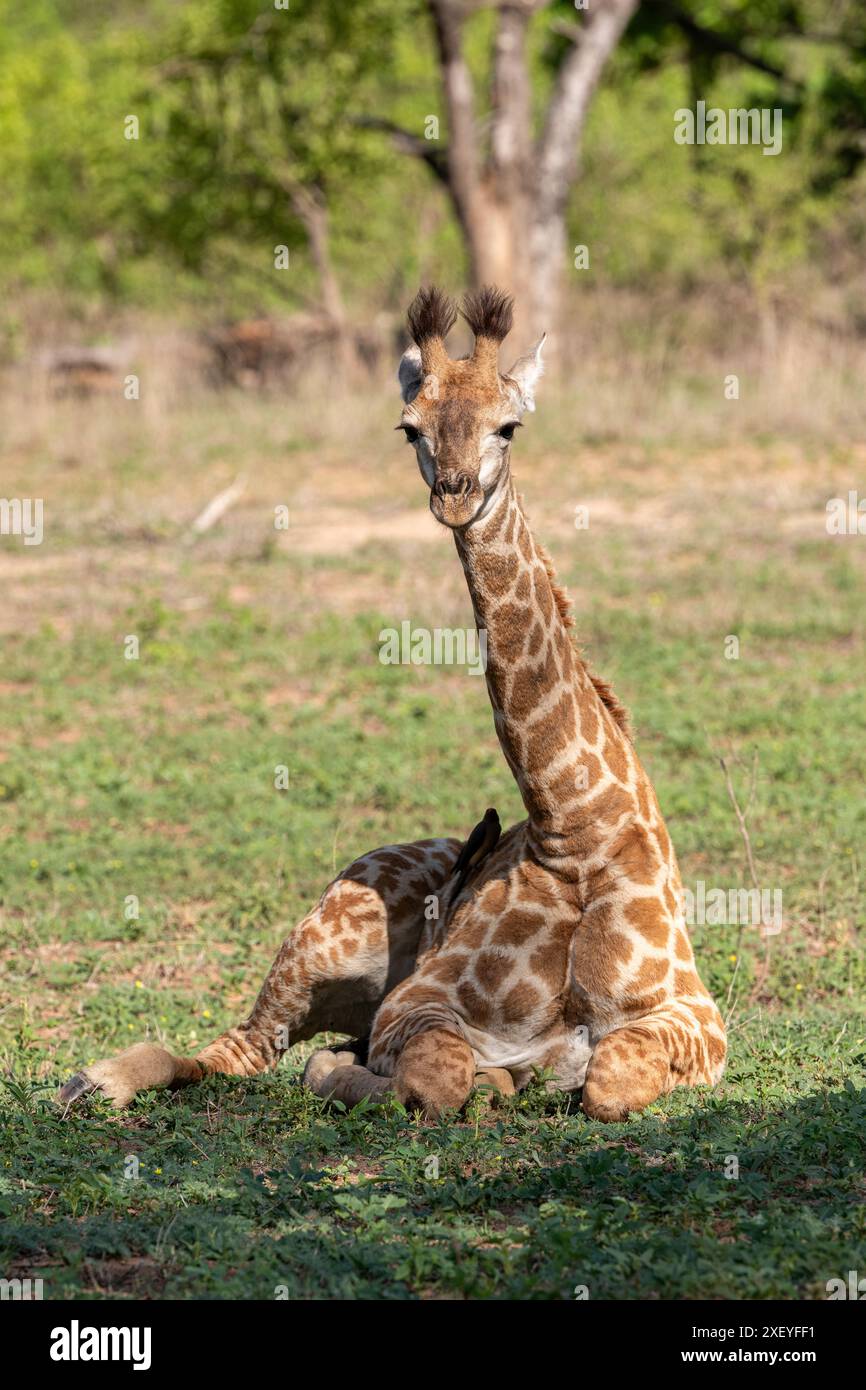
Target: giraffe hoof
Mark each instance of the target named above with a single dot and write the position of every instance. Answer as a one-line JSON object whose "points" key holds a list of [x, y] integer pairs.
{"points": [[76, 1088], [84, 1084], [496, 1079], [320, 1066], [492, 1085], [120, 1078]]}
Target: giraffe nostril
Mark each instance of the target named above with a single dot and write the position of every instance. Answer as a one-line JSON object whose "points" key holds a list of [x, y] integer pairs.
{"points": [[456, 485]]}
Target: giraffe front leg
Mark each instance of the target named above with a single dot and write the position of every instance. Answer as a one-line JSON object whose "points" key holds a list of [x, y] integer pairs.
{"points": [[629, 1070], [417, 1039], [338, 1076], [330, 974], [419, 1053], [435, 1072], [680, 1044]]}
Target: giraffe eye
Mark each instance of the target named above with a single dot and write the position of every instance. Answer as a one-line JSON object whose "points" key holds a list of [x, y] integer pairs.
{"points": [[507, 431], [412, 435]]}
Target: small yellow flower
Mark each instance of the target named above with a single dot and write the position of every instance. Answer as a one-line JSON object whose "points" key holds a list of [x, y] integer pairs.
{"points": [[139, 985], [205, 1013], [34, 863], [798, 987], [157, 1170], [732, 959]]}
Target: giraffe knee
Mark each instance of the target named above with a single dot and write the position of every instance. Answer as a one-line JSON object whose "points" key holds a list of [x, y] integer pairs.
{"points": [[435, 1072], [625, 1074]]}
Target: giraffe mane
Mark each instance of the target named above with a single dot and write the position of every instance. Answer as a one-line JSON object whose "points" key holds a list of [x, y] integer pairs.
{"points": [[603, 688]]}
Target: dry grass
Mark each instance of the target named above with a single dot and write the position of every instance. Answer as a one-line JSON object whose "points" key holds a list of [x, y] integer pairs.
{"points": [[632, 423]]}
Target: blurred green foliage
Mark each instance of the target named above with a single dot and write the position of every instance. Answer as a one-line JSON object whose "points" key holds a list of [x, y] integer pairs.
{"points": [[241, 104]]}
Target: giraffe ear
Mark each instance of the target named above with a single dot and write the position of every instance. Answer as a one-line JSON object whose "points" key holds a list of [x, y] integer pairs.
{"points": [[521, 380], [410, 373]]}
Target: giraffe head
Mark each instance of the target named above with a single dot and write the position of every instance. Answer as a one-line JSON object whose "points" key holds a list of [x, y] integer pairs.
{"points": [[460, 414]]}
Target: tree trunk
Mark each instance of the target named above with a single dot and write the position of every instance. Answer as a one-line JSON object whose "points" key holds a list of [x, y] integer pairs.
{"points": [[312, 210], [512, 209], [550, 258], [497, 244]]}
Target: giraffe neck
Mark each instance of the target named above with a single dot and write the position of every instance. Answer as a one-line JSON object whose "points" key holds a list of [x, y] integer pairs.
{"points": [[554, 727]]}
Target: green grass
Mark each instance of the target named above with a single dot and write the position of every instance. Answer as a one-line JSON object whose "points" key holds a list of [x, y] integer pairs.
{"points": [[248, 1187], [154, 780]]}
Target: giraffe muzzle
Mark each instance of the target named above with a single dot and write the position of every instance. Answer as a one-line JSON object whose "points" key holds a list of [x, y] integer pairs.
{"points": [[455, 499]]}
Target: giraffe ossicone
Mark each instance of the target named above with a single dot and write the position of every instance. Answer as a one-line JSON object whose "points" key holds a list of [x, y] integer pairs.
{"points": [[559, 944]]}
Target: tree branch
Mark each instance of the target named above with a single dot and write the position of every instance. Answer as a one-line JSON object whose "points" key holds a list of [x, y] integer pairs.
{"points": [[309, 206], [511, 97], [575, 84], [713, 42], [433, 155]]}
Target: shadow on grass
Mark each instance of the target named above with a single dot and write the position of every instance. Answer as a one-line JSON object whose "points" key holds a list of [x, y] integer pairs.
{"points": [[259, 1193]]}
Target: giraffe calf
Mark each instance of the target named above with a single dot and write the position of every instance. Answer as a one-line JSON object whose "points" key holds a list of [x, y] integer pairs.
{"points": [[559, 944]]}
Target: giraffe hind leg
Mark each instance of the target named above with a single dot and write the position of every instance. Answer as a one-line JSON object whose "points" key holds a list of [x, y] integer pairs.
{"points": [[330, 975]]}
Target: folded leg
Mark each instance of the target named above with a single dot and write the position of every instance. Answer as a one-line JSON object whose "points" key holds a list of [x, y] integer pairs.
{"points": [[331, 974], [679, 1044]]}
